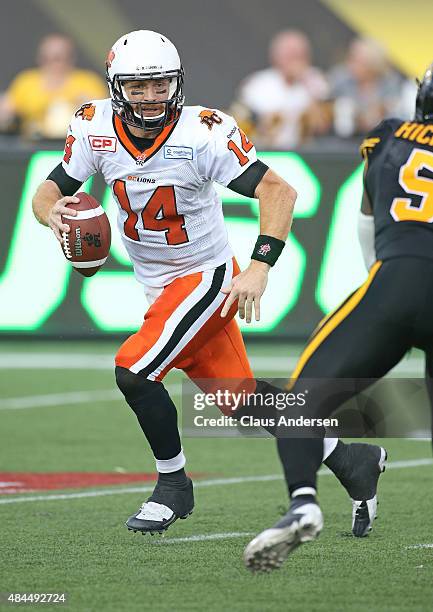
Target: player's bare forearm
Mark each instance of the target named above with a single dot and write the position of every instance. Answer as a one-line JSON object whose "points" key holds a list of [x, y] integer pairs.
{"points": [[277, 200], [49, 205], [47, 194]]}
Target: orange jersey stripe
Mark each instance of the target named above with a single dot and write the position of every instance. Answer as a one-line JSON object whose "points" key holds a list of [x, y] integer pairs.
{"points": [[130, 146]]}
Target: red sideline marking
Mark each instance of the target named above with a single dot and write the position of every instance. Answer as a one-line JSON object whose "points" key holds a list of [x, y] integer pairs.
{"points": [[25, 482]]}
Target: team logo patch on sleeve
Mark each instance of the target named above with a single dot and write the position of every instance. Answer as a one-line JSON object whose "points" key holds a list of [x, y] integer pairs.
{"points": [[367, 146], [110, 57], [209, 118], [86, 112], [177, 152], [103, 143]]}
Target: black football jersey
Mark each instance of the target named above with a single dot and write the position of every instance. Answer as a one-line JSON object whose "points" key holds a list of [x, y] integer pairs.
{"points": [[399, 184]]}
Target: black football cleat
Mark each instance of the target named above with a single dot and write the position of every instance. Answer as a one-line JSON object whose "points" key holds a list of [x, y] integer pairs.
{"points": [[268, 551], [163, 508], [358, 467]]}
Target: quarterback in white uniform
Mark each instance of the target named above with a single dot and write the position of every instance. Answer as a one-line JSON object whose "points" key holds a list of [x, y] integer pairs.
{"points": [[160, 160]]}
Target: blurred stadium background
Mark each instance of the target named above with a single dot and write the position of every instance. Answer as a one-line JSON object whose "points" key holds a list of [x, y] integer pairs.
{"points": [[219, 45]]}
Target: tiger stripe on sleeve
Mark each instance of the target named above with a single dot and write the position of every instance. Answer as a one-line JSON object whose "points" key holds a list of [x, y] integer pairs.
{"points": [[368, 145]]}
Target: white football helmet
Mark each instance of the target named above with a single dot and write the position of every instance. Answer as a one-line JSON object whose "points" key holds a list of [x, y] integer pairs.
{"points": [[141, 55]]}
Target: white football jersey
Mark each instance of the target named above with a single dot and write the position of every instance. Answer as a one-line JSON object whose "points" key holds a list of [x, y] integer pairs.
{"points": [[170, 216]]}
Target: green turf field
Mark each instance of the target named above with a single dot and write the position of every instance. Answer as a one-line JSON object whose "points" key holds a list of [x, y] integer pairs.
{"points": [[74, 540]]}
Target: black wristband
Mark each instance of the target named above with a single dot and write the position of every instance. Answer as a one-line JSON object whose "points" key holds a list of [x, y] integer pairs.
{"points": [[267, 249]]}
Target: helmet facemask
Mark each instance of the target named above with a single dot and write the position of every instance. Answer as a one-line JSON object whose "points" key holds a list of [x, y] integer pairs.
{"points": [[424, 98], [132, 113]]}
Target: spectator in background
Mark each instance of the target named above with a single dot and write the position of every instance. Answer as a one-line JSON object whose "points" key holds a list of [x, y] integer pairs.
{"points": [[364, 88], [41, 100], [281, 105], [407, 100]]}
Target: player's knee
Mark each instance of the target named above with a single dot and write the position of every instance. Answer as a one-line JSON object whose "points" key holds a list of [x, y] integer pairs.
{"points": [[134, 387]]}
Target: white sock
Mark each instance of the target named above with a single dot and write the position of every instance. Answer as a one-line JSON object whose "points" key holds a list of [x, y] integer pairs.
{"points": [[304, 491], [329, 445], [165, 466]]}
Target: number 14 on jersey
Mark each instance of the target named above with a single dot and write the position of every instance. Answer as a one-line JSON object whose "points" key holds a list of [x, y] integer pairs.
{"points": [[158, 215]]}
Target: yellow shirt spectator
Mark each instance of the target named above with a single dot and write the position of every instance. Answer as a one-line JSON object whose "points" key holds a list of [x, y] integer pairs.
{"points": [[46, 112]]}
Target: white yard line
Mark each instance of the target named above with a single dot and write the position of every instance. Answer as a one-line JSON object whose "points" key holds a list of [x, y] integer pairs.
{"points": [[396, 465], [98, 361], [120, 491], [419, 546], [60, 496], [410, 367], [60, 399], [199, 484], [204, 538], [70, 398], [56, 361]]}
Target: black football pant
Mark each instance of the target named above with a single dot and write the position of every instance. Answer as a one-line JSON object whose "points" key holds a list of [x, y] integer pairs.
{"points": [[364, 338]]}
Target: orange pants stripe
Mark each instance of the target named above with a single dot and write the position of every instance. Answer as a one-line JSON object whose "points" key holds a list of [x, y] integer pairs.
{"points": [[188, 310]]}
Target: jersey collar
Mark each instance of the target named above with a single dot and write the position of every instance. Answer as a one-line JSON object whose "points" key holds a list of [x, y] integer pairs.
{"points": [[126, 142]]}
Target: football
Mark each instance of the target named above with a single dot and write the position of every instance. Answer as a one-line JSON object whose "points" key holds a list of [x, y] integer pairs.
{"points": [[88, 243]]}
